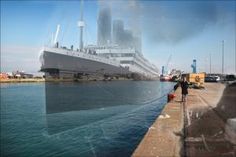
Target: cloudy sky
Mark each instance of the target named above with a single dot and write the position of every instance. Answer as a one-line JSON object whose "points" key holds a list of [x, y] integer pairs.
{"points": [[186, 30]]}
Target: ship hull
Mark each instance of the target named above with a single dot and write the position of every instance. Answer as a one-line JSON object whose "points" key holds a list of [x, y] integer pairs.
{"points": [[53, 63], [165, 78], [66, 63]]}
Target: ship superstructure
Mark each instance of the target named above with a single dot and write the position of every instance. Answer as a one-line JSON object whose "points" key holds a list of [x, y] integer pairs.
{"points": [[119, 57]]}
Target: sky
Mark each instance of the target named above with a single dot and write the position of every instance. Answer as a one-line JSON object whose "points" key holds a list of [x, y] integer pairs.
{"points": [[184, 30]]}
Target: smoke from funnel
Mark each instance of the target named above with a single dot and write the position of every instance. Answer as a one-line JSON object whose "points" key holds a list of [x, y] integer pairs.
{"points": [[174, 24], [124, 35], [169, 22], [104, 26]]}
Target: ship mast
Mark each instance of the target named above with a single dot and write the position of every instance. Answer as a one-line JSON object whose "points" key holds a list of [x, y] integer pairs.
{"points": [[56, 35], [81, 25]]}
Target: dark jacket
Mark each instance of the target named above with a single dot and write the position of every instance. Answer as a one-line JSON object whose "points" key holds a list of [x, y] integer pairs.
{"points": [[184, 87], [176, 86]]}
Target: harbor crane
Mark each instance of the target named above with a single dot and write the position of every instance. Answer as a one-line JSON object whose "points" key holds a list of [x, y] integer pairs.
{"points": [[165, 68]]}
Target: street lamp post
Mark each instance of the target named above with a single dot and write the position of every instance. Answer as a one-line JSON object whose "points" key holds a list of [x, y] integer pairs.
{"points": [[222, 57], [210, 63]]}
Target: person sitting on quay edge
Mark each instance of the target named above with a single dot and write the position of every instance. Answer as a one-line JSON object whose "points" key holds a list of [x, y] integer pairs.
{"points": [[184, 87]]}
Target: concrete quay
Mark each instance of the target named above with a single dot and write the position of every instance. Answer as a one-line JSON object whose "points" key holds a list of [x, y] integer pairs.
{"points": [[162, 138], [204, 126]]}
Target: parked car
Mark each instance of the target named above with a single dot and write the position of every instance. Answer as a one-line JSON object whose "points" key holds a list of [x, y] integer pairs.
{"points": [[230, 78], [217, 78], [212, 79]]}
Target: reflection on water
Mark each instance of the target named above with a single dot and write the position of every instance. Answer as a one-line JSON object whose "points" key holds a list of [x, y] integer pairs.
{"points": [[76, 104], [78, 119], [62, 97]]}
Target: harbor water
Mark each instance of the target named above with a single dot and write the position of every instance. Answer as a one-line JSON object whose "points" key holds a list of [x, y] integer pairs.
{"points": [[78, 119]]}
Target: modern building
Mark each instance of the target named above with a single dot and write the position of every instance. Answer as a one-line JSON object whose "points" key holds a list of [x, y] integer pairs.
{"points": [[3, 76]]}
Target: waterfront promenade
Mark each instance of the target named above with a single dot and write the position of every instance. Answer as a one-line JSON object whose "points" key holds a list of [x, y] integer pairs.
{"points": [[197, 128]]}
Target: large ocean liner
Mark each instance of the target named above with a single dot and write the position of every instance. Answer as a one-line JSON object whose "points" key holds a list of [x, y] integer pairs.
{"points": [[117, 54]]}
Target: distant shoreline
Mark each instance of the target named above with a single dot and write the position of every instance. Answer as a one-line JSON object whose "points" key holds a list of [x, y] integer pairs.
{"points": [[28, 80], [39, 80]]}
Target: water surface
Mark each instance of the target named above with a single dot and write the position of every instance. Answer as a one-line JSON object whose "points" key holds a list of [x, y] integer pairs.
{"points": [[78, 119]]}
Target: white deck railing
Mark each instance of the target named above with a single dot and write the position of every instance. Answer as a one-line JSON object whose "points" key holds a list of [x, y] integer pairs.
{"points": [[83, 55]]}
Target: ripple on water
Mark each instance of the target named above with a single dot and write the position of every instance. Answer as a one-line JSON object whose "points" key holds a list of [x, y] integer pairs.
{"points": [[72, 119]]}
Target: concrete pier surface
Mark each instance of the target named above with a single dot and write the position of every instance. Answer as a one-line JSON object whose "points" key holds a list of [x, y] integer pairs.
{"points": [[204, 126]]}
